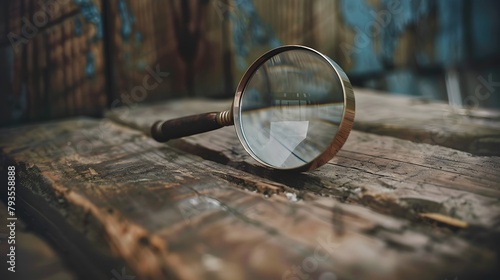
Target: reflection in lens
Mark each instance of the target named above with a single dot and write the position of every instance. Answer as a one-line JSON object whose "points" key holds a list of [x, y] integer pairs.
{"points": [[291, 109]]}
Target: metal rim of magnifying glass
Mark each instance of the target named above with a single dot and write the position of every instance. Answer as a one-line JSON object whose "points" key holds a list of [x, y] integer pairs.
{"points": [[347, 114]]}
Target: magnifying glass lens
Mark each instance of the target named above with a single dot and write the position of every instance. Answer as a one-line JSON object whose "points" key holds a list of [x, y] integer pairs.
{"points": [[293, 110], [290, 109]]}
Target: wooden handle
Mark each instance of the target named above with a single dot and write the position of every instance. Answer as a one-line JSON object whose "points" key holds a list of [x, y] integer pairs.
{"points": [[185, 126]]}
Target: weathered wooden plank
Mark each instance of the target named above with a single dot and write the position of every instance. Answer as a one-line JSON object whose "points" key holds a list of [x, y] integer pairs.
{"points": [[417, 120], [426, 122], [416, 177], [170, 214]]}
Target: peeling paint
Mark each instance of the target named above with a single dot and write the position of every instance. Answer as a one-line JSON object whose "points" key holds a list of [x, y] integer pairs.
{"points": [[92, 15], [78, 27], [249, 31], [403, 14], [383, 25], [90, 67], [127, 20]]}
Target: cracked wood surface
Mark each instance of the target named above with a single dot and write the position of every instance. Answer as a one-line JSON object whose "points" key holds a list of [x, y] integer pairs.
{"points": [[369, 168], [200, 208]]}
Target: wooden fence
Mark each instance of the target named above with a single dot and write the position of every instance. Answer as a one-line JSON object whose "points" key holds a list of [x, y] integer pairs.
{"points": [[64, 58]]}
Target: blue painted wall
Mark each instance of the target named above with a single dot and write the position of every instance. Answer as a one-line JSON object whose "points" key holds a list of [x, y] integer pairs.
{"points": [[458, 35]]}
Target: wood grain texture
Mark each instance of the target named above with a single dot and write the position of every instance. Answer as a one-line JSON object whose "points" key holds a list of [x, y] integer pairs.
{"points": [[383, 208], [428, 122], [170, 215], [412, 175], [183, 38], [53, 61], [417, 120]]}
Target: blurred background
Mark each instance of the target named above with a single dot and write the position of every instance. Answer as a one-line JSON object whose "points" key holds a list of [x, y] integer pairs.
{"points": [[62, 58]]}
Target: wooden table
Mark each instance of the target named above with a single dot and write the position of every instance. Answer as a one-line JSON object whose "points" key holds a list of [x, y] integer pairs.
{"points": [[117, 204]]}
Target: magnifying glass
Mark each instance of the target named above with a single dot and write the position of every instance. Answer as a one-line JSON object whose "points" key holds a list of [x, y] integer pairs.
{"points": [[293, 110]]}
